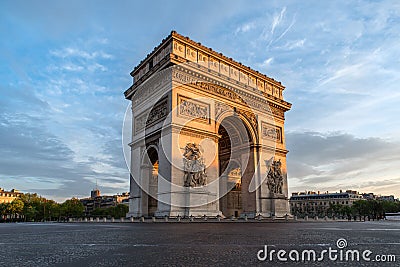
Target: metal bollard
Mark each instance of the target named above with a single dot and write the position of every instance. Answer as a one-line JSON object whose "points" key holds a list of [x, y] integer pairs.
{"points": [[131, 219], [153, 219], [166, 218], [122, 219], [142, 219]]}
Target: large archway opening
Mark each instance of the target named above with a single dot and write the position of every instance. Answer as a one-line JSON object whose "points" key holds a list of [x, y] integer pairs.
{"points": [[150, 173], [236, 167]]}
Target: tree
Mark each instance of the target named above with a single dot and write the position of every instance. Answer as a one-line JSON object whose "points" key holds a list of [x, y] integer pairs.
{"points": [[346, 211], [16, 208], [72, 208], [360, 208], [3, 211], [53, 210], [116, 212]]}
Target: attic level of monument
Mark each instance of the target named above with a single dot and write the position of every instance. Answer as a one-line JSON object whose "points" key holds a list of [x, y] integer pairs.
{"points": [[177, 49]]}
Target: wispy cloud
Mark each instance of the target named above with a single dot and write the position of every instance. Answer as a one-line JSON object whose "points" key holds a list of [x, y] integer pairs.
{"points": [[293, 44], [277, 20], [245, 27], [75, 52], [286, 30]]}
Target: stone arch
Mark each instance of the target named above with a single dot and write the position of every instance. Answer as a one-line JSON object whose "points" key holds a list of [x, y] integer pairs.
{"points": [[149, 180], [251, 127], [236, 150]]}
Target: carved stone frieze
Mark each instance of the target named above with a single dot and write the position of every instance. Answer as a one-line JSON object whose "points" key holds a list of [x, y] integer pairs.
{"points": [[232, 94], [272, 132], [193, 109]]}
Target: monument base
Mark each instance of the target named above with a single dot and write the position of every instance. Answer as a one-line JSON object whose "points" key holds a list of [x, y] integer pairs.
{"points": [[196, 202]]}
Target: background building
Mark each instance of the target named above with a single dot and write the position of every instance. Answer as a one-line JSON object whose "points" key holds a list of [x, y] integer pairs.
{"points": [[97, 201], [9, 196], [317, 204]]}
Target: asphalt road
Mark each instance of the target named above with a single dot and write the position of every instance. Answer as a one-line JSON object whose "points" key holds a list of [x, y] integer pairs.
{"points": [[192, 244]]}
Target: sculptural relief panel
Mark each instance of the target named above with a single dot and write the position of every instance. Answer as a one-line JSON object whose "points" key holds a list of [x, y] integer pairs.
{"points": [[224, 69], [275, 176], [194, 166], [193, 109], [234, 73], [252, 81], [244, 78], [214, 64], [179, 49], [260, 85], [268, 88], [191, 54], [157, 114], [203, 59], [271, 132]]}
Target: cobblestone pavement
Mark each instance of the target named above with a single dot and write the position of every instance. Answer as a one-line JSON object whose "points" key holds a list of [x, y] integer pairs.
{"points": [[189, 244]]}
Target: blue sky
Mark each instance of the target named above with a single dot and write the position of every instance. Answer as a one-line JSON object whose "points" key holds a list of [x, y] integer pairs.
{"points": [[65, 65]]}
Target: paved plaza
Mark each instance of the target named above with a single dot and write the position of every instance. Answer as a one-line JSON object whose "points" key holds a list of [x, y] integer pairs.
{"points": [[188, 244]]}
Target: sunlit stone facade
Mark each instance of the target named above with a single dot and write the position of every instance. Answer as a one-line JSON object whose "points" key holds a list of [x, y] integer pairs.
{"points": [[207, 135]]}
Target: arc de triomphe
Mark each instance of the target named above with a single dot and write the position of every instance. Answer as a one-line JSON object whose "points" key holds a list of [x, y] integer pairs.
{"points": [[207, 135]]}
